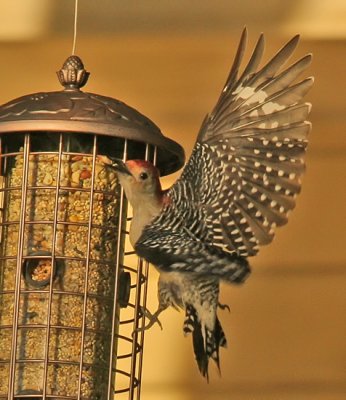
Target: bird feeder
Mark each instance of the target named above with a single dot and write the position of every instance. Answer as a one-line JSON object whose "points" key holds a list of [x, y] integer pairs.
{"points": [[72, 293]]}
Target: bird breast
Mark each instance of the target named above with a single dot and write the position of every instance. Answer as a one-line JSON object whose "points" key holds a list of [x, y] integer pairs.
{"points": [[142, 215]]}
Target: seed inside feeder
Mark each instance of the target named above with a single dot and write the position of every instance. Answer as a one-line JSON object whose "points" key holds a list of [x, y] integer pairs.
{"points": [[37, 271], [43, 271]]}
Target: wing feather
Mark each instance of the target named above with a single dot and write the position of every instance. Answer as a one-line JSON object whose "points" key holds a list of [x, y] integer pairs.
{"points": [[232, 77], [254, 60], [244, 173], [290, 115]]}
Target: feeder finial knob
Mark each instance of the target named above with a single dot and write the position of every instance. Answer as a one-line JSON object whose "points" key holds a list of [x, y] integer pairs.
{"points": [[73, 75]]}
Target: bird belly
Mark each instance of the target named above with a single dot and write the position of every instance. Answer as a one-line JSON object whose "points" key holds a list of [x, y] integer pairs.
{"points": [[170, 290], [182, 289]]}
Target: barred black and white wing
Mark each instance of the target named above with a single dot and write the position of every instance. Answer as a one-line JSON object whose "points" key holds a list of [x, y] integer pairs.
{"points": [[244, 172]]}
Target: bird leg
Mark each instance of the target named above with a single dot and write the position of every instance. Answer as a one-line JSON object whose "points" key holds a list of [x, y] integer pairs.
{"points": [[153, 319], [224, 307]]}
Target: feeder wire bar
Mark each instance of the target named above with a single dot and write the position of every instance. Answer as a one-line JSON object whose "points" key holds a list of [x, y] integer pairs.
{"points": [[21, 229], [50, 295], [118, 259], [87, 266]]}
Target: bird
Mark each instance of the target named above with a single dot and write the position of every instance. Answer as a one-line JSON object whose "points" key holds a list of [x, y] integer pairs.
{"points": [[239, 184]]}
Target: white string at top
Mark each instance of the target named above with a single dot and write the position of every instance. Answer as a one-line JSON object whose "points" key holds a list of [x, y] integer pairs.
{"points": [[75, 27]]}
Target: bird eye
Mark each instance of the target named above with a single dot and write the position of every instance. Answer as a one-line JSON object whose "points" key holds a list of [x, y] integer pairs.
{"points": [[143, 176]]}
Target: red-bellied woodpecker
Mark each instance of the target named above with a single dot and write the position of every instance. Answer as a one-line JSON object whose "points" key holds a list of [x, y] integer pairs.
{"points": [[238, 185]]}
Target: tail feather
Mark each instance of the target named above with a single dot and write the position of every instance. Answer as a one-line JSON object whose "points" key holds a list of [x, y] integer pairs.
{"points": [[219, 341], [206, 343]]}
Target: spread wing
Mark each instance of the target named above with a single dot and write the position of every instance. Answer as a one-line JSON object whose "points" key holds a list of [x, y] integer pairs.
{"points": [[244, 172]]}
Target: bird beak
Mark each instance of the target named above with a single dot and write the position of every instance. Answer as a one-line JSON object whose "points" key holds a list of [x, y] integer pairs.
{"points": [[115, 163]]}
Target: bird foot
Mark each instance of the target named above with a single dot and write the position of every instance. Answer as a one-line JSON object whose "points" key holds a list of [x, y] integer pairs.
{"points": [[224, 307], [153, 319]]}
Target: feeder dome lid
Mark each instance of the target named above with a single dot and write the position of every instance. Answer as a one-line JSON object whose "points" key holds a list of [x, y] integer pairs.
{"points": [[72, 110]]}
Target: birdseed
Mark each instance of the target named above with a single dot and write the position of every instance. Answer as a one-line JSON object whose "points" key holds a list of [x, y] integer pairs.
{"points": [[73, 220]]}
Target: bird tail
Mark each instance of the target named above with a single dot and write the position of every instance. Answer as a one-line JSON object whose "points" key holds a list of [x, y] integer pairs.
{"points": [[206, 343]]}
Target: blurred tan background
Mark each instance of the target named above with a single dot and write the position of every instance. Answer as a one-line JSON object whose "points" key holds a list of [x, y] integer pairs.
{"points": [[169, 59]]}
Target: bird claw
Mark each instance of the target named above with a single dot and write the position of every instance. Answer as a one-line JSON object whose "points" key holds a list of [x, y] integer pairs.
{"points": [[153, 319], [224, 307]]}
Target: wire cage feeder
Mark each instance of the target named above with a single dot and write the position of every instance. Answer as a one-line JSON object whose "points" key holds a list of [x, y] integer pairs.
{"points": [[72, 291]]}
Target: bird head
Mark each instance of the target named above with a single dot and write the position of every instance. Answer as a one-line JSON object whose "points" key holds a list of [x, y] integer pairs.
{"points": [[139, 178]]}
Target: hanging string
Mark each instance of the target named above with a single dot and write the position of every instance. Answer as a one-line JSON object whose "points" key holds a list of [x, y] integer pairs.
{"points": [[75, 27]]}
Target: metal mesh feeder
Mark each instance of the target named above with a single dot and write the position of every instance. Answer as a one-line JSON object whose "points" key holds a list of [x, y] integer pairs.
{"points": [[71, 289]]}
